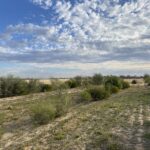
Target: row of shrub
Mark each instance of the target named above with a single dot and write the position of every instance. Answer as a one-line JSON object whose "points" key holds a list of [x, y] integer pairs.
{"points": [[13, 86], [111, 85], [97, 79], [95, 88]]}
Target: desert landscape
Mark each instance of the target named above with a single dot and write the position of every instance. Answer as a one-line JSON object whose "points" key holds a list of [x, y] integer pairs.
{"points": [[74, 74], [87, 117]]}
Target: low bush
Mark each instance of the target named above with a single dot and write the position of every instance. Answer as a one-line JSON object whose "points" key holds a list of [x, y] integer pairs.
{"points": [[13, 86], [72, 83], [61, 107], [134, 82], [42, 113], [98, 93], [111, 88], [46, 87], [114, 81], [147, 136], [114, 89], [125, 85], [97, 79], [85, 96], [147, 79]]}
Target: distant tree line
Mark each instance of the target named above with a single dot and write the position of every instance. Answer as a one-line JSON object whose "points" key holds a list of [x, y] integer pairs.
{"points": [[97, 79], [13, 86]]}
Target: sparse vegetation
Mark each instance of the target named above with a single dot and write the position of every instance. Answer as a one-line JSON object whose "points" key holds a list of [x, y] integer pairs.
{"points": [[114, 89], [97, 125], [85, 96], [125, 85], [72, 83], [42, 113], [97, 79], [113, 81], [98, 93], [13, 86], [1, 131], [147, 123], [147, 79], [147, 136], [1, 118]]}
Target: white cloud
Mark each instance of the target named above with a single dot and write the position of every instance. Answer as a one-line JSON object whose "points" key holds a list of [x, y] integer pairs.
{"points": [[89, 33], [43, 3]]}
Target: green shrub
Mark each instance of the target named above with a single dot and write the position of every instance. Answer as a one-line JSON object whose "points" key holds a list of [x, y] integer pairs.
{"points": [[85, 96], [72, 83], [147, 123], [61, 107], [97, 79], [56, 84], [42, 113], [46, 87], [98, 93], [111, 88], [34, 86], [134, 82], [12, 86], [114, 89], [147, 136], [61, 102], [114, 81], [147, 78], [78, 80], [125, 85]]}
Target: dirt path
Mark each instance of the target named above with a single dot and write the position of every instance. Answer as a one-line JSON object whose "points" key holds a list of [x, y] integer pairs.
{"points": [[140, 131]]}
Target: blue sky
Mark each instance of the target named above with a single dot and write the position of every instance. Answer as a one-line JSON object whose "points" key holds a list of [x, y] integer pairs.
{"points": [[43, 38]]}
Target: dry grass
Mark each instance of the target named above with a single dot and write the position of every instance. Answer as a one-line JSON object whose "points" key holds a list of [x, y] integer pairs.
{"points": [[121, 121], [140, 81]]}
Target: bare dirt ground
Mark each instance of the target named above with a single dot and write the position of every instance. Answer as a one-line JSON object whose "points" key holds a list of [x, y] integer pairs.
{"points": [[123, 119]]}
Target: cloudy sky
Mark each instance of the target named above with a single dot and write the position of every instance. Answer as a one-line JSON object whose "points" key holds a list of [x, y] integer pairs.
{"points": [[43, 38]]}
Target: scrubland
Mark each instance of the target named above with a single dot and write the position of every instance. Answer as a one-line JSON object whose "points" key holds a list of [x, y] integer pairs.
{"points": [[102, 115]]}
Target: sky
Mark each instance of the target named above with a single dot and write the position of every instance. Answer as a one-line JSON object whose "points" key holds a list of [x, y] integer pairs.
{"points": [[64, 38]]}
